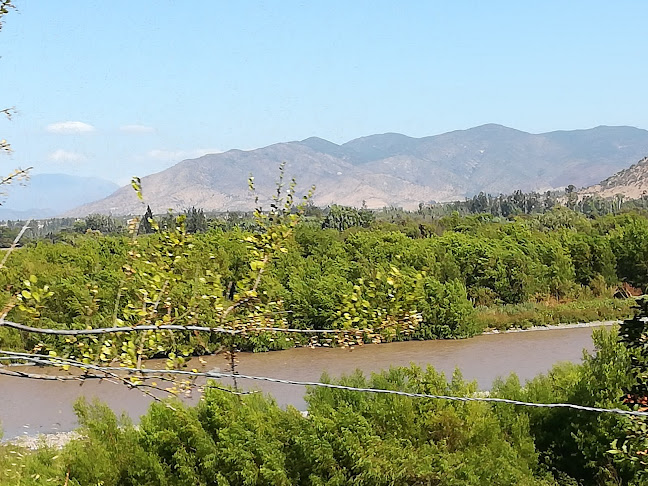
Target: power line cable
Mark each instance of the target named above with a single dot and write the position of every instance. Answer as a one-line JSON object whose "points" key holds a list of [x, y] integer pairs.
{"points": [[165, 327], [49, 361]]}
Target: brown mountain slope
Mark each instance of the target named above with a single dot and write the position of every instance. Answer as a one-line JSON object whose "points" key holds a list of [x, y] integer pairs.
{"points": [[219, 183], [631, 183], [391, 169]]}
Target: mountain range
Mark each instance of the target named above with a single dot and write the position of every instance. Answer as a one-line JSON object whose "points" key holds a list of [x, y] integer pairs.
{"points": [[631, 183], [390, 169], [48, 195]]}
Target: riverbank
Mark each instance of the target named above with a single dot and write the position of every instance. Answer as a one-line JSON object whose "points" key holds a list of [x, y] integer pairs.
{"points": [[55, 440], [551, 327], [481, 358], [38, 406], [553, 313]]}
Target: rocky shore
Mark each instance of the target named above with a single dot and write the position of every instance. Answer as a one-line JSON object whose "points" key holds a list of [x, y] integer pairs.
{"points": [[551, 327], [33, 442]]}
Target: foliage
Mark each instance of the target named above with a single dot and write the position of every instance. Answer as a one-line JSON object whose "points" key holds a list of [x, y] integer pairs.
{"points": [[553, 268], [446, 311], [572, 445], [631, 447], [347, 438], [343, 217], [549, 313], [99, 223], [195, 221], [629, 242]]}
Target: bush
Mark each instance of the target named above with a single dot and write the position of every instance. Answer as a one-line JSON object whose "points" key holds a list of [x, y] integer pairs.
{"points": [[574, 444], [446, 311], [548, 313], [347, 438]]}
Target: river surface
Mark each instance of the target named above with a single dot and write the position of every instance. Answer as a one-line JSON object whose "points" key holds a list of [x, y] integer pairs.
{"points": [[32, 406]]}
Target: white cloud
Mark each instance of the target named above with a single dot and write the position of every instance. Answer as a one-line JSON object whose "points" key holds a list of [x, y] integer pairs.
{"points": [[69, 127], [178, 155], [61, 155], [137, 129]]}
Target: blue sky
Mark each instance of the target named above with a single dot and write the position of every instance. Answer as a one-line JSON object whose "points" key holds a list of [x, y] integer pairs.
{"points": [[121, 88]]}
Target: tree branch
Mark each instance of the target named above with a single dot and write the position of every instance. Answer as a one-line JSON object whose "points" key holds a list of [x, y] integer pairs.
{"points": [[15, 175], [14, 244], [36, 376], [163, 327]]}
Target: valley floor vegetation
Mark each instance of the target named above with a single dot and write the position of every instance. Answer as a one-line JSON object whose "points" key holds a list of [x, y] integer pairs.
{"points": [[376, 280], [460, 275]]}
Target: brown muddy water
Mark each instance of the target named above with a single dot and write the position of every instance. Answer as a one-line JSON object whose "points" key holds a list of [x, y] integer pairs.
{"points": [[30, 407]]}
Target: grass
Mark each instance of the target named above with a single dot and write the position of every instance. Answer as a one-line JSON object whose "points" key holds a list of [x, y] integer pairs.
{"points": [[548, 313]]}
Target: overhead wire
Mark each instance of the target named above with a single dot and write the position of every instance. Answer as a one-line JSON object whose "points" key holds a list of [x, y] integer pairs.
{"points": [[58, 362]]}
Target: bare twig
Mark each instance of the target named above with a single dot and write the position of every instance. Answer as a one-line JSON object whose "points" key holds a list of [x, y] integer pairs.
{"points": [[260, 274], [117, 299], [240, 302], [14, 244], [8, 112], [164, 327], [11, 303], [236, 304], [157, 302], [15, 175], [106, 371], [109, 372], [37, 376]]}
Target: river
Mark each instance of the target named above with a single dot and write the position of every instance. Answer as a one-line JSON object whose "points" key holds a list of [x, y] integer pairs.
{"points": [[31, 407]]}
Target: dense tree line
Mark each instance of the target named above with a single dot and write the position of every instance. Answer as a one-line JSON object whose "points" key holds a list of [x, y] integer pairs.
{"points": [[520, 203], [506, 206], [451, 274]]}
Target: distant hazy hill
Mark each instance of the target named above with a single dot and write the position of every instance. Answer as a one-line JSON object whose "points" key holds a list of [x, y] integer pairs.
{"points": [[47, 195], [631, 182], [392, 169]]}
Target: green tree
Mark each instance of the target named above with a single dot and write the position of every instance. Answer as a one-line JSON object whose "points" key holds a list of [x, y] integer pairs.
{"points": [[102, 223], [573, 445], [629, 242], [7, 236], [446, 311], [146, 223], [572, 196], [344, 217], [195, 221], [631, 448]]}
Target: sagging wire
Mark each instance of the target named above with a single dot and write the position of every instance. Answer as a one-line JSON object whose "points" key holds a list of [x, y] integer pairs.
{"points": [[57, 362]]}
